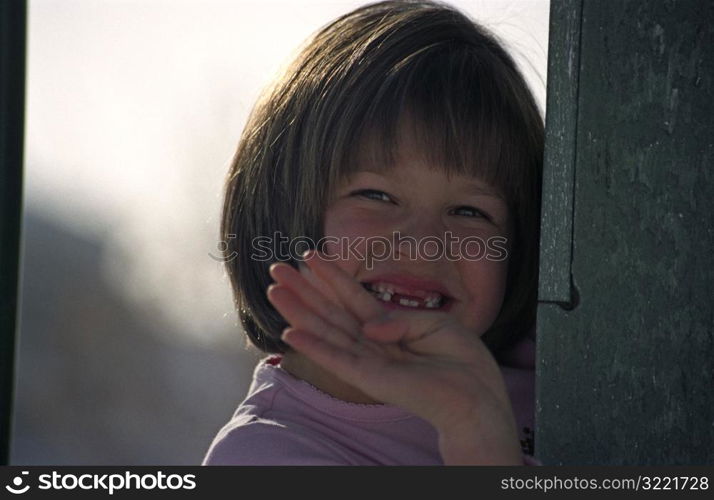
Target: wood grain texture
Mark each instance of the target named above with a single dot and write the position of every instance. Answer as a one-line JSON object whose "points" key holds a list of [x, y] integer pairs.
{"points": [[626, 377], [559, 158]]}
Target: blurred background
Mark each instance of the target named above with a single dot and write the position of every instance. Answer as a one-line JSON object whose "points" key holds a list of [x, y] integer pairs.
{"points": [[129, 350]]}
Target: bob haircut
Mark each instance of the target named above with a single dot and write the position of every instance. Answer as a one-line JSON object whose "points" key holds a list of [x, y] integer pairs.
{"points": [[354, 86]]}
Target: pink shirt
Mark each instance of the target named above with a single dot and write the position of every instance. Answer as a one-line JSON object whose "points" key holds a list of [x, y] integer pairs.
{"points": [[287, 421]]}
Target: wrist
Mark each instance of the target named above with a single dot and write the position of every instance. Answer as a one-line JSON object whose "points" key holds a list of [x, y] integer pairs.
{"points": [[477, 449], [480, 441]]}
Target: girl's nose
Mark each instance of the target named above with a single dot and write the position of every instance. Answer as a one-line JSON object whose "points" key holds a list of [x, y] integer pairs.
{"points": [[422, 234]]}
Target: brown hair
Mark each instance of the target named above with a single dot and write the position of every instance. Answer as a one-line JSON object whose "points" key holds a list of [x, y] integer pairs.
{"points": [[350, 89]]}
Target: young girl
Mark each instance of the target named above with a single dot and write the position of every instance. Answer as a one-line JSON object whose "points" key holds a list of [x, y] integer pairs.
{"points": [[402, 147]]}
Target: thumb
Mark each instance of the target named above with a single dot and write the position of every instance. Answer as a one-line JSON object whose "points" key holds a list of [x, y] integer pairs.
{"points": [[395, 326], [388, 328]]}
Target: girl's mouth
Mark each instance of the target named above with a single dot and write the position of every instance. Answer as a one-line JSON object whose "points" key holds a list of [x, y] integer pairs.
{"points": [[396, 296]]}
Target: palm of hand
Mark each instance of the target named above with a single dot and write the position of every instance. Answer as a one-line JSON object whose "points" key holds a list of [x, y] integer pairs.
{"points": [[423, 361]]}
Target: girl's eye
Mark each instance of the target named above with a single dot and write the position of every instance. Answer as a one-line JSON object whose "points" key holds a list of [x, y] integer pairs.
{"points": [[471, 212], [372, 194]]}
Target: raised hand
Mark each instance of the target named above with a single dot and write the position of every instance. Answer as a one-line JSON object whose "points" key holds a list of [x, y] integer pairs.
{"points": [[423, 361]]}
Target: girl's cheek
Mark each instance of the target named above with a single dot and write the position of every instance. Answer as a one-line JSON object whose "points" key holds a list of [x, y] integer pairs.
{"points": [[371, 231], [352, 236], [354, 223], [466, 233], [485, 286]]}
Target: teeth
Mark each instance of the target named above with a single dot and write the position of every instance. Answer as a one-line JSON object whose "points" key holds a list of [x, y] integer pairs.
{"points": [[387, 287], [385, 292], [406, 302], [432, 303], [381, 287]]}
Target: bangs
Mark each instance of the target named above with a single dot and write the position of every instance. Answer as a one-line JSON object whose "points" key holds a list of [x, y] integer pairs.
{"points": [[443, 107]]}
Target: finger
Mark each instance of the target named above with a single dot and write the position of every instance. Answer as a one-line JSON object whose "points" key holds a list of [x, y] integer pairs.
{"points": [[319, 284], [335, 359], [326, 354], [350, 292], [316, 300], [399, 325], [302, 317], [379, 377], [421, 332], [357, 367], [387, 329], [325, 288]]}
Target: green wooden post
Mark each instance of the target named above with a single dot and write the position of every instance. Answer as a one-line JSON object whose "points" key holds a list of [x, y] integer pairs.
{"points": [[12, 106], [626, 316]]}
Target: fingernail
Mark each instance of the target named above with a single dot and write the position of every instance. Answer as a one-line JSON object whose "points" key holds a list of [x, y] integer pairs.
{"points": [[307, 254], [284, 334], [272, 288]]}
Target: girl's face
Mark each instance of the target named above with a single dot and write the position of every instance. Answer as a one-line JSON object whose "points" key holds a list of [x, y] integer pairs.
{"points": [[421, 205]]}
